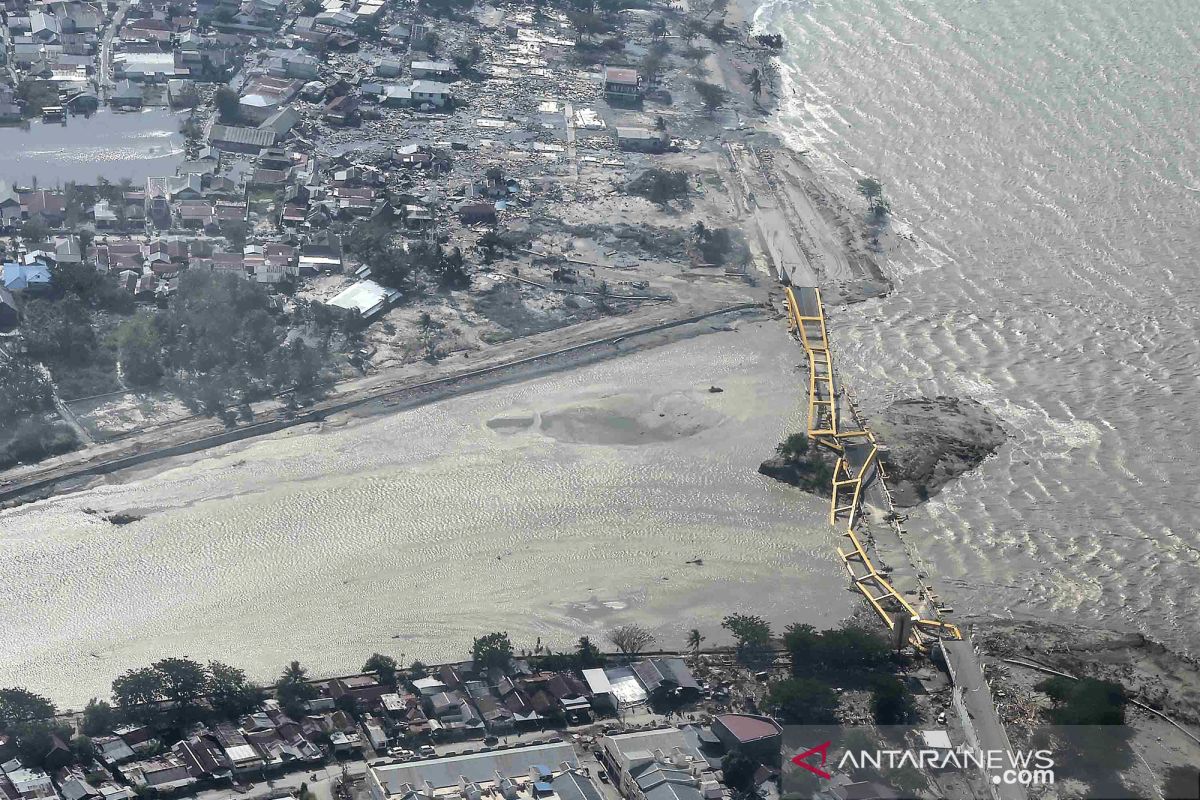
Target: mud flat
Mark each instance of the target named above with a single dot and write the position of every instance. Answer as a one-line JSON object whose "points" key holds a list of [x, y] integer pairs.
{"points": [[932, 441], [555, 507]]}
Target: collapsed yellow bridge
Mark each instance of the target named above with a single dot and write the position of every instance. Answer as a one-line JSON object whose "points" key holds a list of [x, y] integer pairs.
{"points": [[857, 465]]}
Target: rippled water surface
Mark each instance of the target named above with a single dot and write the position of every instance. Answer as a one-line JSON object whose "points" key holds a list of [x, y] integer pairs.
{"points": [[108, 145], [552, 508], [1041, 159]]}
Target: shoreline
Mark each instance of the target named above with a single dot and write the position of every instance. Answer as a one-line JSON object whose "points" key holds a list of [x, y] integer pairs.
{"points": [[390, 399]]}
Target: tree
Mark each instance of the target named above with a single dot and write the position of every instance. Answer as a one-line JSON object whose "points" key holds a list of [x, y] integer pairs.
{"points": [[489, 242], [657, 28], [292, 689], [587, 25], [83, 749], [892, 702], [465, 60], [751, 633], [738, 769], [98, 718], [230, 693], [35, 230], [803, 701], [184, 682], [717, 7], [19, 706], [653, 61], [853, 650], [418, 670], [588, 655], [383, 666], [694, 640], [139, 348], [492, 650], [227, 104], [872, 189], [756, 83], [660, 186], [793, 447], [137, 691], [630, 640], [711, 95], [59, 331], [802, 643]]}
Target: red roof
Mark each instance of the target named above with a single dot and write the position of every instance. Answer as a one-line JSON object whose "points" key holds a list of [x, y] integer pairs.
{"points": [[747, 728]]}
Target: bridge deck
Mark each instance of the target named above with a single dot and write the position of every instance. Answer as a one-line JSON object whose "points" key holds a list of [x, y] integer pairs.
{"points": [[856, 469]]}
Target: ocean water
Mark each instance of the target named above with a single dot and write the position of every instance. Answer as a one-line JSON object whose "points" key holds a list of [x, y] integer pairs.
{"points": [[1041, 159]]}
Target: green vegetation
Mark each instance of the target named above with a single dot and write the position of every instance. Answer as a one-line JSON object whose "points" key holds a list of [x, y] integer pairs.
{"points": [[26, 432], [1093, 739], [802, 701], [1085, 701], [293, 690], [19, 706], [182, 688], [492, 650], [37, 94], [222, 347], [711, 95], [891, 701], [793, 448], [800, 464], [738, 769], [227, 103], [872, 189], [752, 635], [660, 186], [403, 265], [715, 244], [189, 689], [383, 666], [98, 718], [852, 655]]}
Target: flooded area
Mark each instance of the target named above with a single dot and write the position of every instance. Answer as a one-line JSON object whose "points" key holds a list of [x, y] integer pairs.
{"points": [[554, 508], [110, 145]]}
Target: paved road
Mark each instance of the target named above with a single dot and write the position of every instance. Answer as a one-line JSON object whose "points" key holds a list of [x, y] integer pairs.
{"points": [[981, 709], [104, 79]]}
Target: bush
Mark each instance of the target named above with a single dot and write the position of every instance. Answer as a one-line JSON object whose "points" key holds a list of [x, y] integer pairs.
{"points": [[660, 186], [892, 702], [1085, 701], [803, 701], [35, 439]]}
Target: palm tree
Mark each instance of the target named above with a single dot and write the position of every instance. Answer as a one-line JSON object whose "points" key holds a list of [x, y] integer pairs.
{"points": [[693, 640], [293, 673]]}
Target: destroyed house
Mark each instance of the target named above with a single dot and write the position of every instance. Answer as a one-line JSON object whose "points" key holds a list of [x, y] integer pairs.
{"points": [[622, 83], [642, 140], [241, 140]]}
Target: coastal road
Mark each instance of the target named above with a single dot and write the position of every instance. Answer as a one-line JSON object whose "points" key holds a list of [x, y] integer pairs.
{"points": [[776, 232], [394, 389]]}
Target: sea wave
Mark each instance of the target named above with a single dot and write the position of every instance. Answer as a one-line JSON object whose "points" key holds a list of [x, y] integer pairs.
{"points": [[1043, 230]]}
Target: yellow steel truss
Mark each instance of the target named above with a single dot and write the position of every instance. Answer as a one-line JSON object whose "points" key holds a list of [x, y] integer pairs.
{"points": [[857, 456]]}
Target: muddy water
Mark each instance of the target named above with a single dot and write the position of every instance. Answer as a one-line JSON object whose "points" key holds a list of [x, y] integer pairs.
{"points": [[1041, 161], [553, 508], [108, 145]]}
